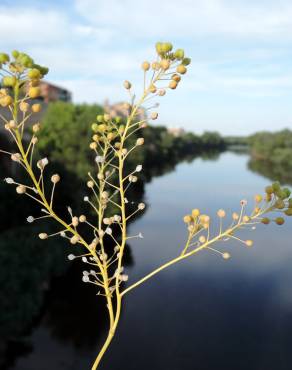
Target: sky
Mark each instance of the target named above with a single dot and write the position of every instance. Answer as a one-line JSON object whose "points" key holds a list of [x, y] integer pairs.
{"points": [[240, 79]]}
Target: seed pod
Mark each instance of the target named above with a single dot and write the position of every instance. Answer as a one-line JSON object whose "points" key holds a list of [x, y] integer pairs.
{"points": [[34, 92], [154, 115], [176, 77], [4, 58], [152, 89], [82, 218], [181, 69], [221, 213], [36, 128], [21, 189], [165, 63], [140, 141], [36, 108], [161, 92], [6, 101], [186, 61], [179, 54], [155, 66], [279, 220], [9, 81], [280, 204], [265, 221], [15, 53], [75, 221], [288, 212], [90, 184], [172, 84], [258, 198], [43, 236], [269, 190], [94, 127], [34, 74], [187, 219], [24, 106], [127, 85], [158, 47], [166, 47], [195, 212], [249, 243], [276, 186], [55, 178], [226, 256], [146, 66]]}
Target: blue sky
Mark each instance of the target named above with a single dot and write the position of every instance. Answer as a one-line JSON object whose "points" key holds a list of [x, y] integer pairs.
{"points": [[240, 80]]}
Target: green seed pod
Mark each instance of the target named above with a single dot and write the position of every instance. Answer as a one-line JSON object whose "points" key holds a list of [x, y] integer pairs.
{"points": [[102, 128], [186, 61], [15, 54], [279, 220], [276, 186], [281, 194], [288, 212], [290, 203], [269, 190], [158, 47], [166, 47], [4, 58], [179, 53], [34, 74], [94, 127], [99, 118], [118, 119], [287, 191], [9, 81], [280, 204], [265, 221]]}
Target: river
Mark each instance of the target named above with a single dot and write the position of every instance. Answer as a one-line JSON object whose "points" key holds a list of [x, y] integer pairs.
{"points": [[205, 313]]}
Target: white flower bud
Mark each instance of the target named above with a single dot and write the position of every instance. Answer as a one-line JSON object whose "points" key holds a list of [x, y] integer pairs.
{"points": [[139, 168], [9, 180], [71, 257]]}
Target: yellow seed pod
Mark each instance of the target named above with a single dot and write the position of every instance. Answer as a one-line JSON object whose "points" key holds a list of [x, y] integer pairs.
{"points": [[106, 117], [176, 77], [153, 89], [102, 128], [181, 69], [172, 85], [235, 216], [202, 239], [155, 66], [6, 101], [34, 92], [75, 221], [221, 213], [95, 138], [187, 219], [110, 136], [195, 212], [117, 145], [24, 106], [74, 239], [154, 115], [93, 145], [258, 198], [100, 176], [146, 66], [205, 219], [55, 178], [36, 127], [165, 64], [140, 141], [36, 108], [226, 256], [249, 243], [245, 219]]}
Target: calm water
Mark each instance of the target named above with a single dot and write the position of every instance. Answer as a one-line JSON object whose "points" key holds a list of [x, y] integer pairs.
{"points": [[202, 314]]}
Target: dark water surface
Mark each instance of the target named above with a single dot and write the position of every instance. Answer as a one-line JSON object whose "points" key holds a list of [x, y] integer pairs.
{"points": [[202, 314]]}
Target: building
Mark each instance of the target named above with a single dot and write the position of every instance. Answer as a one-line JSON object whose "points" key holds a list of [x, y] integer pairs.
{"points": [[122, 109], [52, 93]]}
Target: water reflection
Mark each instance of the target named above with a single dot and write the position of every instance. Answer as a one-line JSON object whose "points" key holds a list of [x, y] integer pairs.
{"points": [[203, 314]]}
